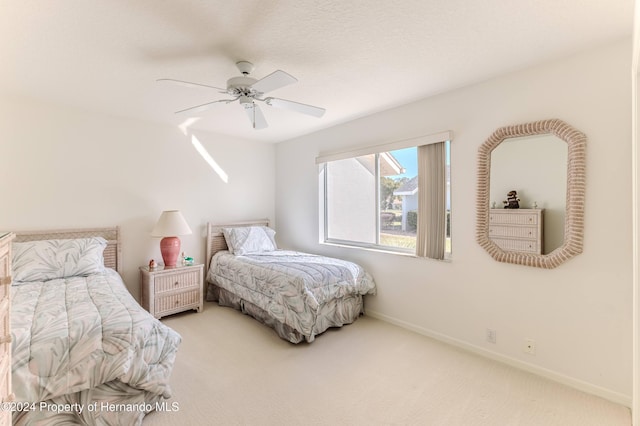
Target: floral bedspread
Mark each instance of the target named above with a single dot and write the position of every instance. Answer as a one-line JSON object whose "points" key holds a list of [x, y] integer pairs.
{"points": [[291, 286], [79, 337]]}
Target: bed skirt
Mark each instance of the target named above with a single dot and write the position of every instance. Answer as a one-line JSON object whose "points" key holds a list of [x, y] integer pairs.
{"points": [[350, 308]]}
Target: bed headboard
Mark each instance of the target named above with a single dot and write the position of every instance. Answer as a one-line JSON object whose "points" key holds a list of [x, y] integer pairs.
{"points": [[216, 241], [112, 258]]}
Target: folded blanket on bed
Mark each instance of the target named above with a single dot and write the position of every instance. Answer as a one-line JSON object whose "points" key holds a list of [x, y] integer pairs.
{"points": [[80, 333]]}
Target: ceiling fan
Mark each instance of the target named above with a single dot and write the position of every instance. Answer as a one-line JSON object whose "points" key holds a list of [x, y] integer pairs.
{"points": [[247, 90]]}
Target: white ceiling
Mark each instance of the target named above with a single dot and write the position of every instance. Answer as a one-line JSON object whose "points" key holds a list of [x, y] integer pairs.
{"points": [[351, 57]]}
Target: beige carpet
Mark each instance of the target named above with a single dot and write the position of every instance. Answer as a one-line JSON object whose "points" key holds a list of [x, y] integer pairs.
{"points": [[231, 370]]}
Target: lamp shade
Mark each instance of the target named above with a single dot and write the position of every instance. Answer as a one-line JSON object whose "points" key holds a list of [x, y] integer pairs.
{"points": [[171, 224]]}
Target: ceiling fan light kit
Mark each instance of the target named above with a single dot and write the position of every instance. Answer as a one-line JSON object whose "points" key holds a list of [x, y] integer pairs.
{"points": [[247, 90]]}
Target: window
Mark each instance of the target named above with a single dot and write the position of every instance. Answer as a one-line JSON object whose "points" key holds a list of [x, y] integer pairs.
{"points": [[383, 198]]}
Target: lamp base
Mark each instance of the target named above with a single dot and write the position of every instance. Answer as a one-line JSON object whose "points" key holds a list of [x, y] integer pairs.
{"points": [[170, 248]]}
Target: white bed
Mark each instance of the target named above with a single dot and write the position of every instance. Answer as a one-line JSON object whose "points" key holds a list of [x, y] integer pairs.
{"points": [[80, 340], [299, 295]]}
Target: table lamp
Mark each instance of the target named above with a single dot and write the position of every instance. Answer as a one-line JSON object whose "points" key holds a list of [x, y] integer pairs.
{"points": [[169, 226]]}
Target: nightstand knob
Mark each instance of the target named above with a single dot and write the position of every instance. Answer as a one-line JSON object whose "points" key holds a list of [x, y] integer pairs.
{"points": [[177, 302], [176, 283]]}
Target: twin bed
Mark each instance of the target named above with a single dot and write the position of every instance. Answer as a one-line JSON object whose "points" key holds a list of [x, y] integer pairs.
{"points": [[297, 294], [84, 351]]}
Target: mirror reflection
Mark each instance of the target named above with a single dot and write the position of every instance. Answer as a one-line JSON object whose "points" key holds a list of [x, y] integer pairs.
{"points": [[535, 167], [539, 167]]}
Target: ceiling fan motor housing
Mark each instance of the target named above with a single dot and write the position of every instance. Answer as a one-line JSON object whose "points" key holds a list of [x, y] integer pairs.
{"points": [[241, 86]]}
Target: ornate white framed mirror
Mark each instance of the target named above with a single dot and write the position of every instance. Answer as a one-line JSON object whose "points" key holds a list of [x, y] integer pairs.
{"points": [[569, 235]]}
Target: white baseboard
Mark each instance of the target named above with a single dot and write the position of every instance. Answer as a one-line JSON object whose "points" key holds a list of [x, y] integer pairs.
{"points": [[583, 386]]}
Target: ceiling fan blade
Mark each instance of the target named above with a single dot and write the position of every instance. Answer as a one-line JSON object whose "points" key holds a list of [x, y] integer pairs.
{"points": [[192, 85], [255, 116], [203, 107], [273, 81], [296, 106]]}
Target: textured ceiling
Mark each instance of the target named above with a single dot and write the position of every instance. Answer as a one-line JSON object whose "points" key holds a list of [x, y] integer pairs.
{"points": [[351, 57]]}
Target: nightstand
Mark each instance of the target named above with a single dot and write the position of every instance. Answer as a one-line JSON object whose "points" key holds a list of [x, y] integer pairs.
{"points": [[166, 291]]}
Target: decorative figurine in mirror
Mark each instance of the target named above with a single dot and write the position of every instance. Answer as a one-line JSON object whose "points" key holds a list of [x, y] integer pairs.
{"points": [[512, 201]]}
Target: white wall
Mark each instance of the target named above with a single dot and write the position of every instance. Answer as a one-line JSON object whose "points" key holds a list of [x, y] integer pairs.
{"points": [[579, 314], [66, 168]]}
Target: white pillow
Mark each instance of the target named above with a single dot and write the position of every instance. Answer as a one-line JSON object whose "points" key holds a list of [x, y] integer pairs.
{"points": [[50, 259], [250, 239]]}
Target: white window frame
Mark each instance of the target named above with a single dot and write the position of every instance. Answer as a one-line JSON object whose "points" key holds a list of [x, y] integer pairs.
{"points": [[324, 158]]}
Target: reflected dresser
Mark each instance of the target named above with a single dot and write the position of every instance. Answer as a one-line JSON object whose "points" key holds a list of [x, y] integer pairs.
{"points": [[518, 230]]}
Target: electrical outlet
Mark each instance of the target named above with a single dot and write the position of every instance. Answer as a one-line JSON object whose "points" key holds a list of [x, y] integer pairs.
{"points": [[529, 346], [491, 335]]}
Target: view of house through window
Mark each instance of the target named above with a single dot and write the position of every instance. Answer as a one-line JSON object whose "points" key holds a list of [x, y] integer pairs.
{"points": [[372, 200], [399, 199], [351, 199]]}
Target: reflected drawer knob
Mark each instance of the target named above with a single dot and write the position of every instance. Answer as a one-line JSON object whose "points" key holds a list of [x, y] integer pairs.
{"points": [[176, 283], [177, 302]]}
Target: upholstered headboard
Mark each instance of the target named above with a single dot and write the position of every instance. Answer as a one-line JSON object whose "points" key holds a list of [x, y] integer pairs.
{"points": [[216, 241], [112, 257]]}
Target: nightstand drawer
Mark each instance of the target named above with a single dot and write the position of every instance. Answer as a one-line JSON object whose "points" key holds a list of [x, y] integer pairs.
{"points": [[177, 301], [177, 281]]}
